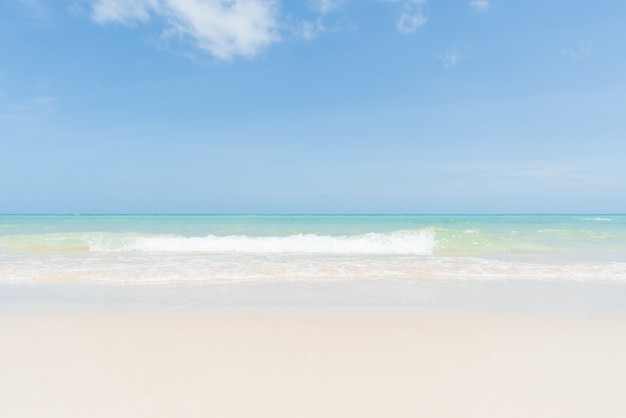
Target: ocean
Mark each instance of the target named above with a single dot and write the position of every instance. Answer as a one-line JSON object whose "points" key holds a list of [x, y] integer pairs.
{"points": [[214, 248]]}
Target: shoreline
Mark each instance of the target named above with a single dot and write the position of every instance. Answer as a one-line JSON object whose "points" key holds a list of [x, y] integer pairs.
{"points": [[504, 296]]}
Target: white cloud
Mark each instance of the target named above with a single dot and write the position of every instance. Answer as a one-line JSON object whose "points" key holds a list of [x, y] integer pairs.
{"points": [[450, 59], [412, 16], [480, 5], [324, 6], [223, 28], [409, 22], [581, 51]]}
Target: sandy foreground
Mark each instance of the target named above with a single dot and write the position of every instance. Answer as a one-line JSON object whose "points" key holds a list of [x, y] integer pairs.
{"points": [[321, 361]]}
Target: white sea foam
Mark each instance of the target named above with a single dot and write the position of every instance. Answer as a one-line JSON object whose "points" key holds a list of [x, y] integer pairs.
{"points": [[149, 267], [400, 242]]}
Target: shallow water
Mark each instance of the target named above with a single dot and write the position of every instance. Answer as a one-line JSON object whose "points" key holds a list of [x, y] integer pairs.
{"points": [[196, 248]]}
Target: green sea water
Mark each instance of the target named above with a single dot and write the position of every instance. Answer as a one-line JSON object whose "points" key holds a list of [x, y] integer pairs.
{"points": [[165, 248]]}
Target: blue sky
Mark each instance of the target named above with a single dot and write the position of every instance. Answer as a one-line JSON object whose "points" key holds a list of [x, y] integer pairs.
{"points": [[320, 106]]}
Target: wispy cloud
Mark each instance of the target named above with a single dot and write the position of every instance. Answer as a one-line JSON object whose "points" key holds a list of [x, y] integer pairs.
{"points": [[480, 5], [409, 22], [26, 102], [324, 6], [309, 30], [450, 59], [579, 52], [223, 28], [412, 15], [28, 110], [124, 11]]}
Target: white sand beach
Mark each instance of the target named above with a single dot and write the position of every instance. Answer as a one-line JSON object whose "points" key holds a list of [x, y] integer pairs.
{"points": [[313, 361]]}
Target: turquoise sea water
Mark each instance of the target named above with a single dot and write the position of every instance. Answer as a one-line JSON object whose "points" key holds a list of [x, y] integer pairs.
{"points": [[172, 248]]}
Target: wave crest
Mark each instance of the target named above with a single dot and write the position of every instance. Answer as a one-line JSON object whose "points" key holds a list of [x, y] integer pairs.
{"points": [[420, 242]]}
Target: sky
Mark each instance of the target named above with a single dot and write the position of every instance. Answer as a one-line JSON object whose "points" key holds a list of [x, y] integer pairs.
{"points": [[312, 106]]}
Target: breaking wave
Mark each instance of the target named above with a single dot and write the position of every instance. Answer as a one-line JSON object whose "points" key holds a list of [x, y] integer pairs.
{"points": [[399, 242]]}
